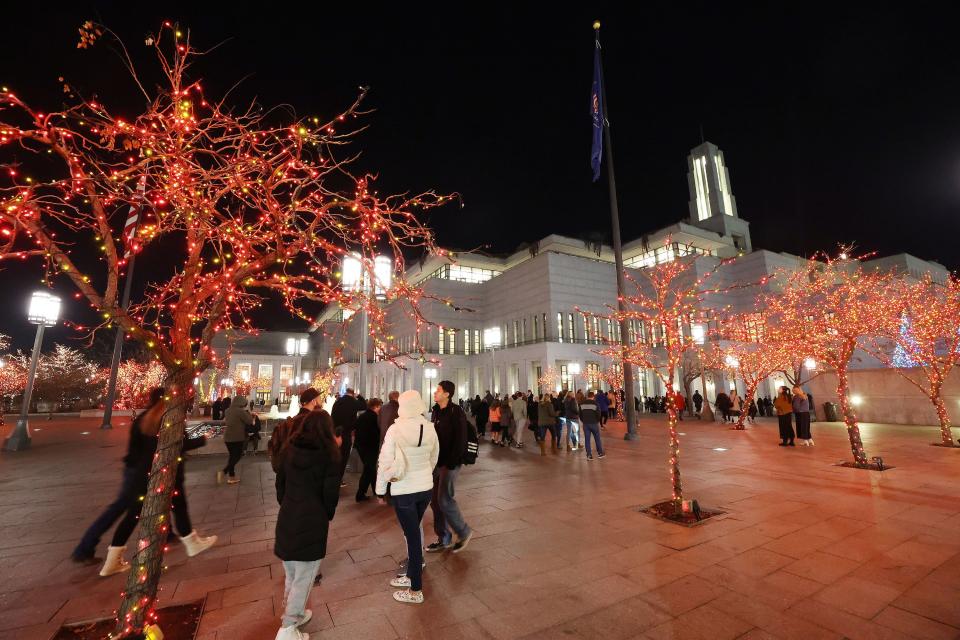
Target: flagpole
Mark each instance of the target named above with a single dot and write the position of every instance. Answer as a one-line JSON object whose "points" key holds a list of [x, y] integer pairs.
{"points": [[631, 433], [117, 350], [131, 254]]}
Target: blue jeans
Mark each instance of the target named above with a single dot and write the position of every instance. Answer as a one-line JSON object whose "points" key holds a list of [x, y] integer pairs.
{"points": [[410, 509], [573, 432], [446, 511], [594, 430], [296, 589]]}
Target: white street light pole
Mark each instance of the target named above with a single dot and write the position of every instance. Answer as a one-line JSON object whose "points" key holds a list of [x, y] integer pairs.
{"points": [[44, 312]]}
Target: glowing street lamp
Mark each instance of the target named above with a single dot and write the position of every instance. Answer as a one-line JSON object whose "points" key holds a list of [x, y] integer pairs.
{"points": [[573, 369], [44, 311], [810, 364], [354, 278]]}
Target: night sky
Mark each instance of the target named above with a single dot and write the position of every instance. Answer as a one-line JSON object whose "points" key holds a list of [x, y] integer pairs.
{"points": [[839, 124]]}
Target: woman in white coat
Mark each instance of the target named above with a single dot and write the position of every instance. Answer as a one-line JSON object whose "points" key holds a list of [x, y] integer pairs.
{"points": [[407, 458]]}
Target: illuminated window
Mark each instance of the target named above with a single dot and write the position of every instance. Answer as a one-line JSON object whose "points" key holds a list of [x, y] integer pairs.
{"points": [[702, 185], [286, 375], [460, 273], [699, 333], [663, 254], [264, 377], [244, 371], [595, 321], [440, 340], [523, 331], [451, 341], [571, 328], [536, 328], [476, 341], [516, 332], [559, 326], [593, 375], [544, 325]]}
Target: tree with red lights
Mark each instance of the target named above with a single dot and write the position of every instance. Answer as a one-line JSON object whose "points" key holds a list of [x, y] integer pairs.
{"points": [[135, 381], [828, 309], [925, 346], [240, 202], [669, 299], [749, 351]]}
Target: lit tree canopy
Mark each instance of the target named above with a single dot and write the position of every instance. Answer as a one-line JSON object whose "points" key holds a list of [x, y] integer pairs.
{"points": [[925, 346], [238, 202], [61, 374], [827, 310]]}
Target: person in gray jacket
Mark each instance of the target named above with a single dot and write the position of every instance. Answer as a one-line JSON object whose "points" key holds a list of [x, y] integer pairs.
{"points": [[590, 416], [571, 414], [236, 418]]}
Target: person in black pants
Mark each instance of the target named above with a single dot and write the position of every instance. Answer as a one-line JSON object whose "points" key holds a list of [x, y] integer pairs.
{"points": [[136, 477], [367, 442], [344, 413], [237, 419]]}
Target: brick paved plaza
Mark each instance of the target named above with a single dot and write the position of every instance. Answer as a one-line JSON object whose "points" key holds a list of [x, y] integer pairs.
{"points": [[807, 549]]}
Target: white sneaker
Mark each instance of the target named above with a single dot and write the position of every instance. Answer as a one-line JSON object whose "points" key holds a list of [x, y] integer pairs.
{"points": [[810, 442], [292, 633], [219, 477], [194, 544], [114, 562], [307, 617], [400, 581], [233, 480], [408, 596]]}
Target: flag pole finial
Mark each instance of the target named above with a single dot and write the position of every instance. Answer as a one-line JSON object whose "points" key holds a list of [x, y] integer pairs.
{"points": [[596, 25]]}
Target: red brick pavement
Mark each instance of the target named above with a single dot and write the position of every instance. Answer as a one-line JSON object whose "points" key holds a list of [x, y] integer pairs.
{"points": [[807, 549]]}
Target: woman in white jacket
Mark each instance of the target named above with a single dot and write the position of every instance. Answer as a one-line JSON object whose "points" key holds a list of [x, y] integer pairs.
{"points": [[407, 458]]}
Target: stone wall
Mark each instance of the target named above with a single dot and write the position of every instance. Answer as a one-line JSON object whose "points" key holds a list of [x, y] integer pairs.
{"points": [[886, 397]]}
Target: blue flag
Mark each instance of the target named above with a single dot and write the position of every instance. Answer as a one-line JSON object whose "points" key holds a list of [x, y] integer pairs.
{"points": [[596, 112]]}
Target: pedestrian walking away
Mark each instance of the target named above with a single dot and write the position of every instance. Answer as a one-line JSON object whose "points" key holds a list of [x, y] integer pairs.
{"points": [[137, 463], [367, 442], [410, 452], [237, 419], [571, 414], [451, 427], [590, 417], [603, 405], [308, 490], [344, 413]]}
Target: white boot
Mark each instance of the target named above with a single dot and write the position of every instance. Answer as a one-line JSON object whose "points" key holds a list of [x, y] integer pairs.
{"points": [[114, 562], [194, 544], [292, 633]]}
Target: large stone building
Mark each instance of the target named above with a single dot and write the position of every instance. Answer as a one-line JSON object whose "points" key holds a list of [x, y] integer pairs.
{"points": [[514, 317]]}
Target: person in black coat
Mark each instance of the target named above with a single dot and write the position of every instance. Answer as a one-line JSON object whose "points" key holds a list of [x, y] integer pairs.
{"points": [[367, 442], [344, 413], [308, 489], [217, 409]]}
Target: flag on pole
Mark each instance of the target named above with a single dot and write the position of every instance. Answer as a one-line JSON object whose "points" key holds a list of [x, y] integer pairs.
{"points": [[133, 218], [596, 112]]}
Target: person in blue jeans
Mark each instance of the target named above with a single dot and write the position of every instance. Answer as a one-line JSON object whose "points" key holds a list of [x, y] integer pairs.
{"points": [[571, 413], [408, 456], [590, 417]]}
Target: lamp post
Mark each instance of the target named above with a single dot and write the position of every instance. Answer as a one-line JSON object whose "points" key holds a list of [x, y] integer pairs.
{"points": [[491, 340], [353, 277], [430, 374], [44, 312]]}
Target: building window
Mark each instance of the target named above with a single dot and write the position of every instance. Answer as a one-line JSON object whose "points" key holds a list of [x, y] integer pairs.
{"points": [[244, 371], [286, 376], [440, 339], [523, 332], [536, 328], [466, 342], [544, 325], [593, 375], [516, 332], [666, 253], [264, 377], [451, 341], [571, 329], [476, 341], [559, 326], [595, 329], [460, 273]]}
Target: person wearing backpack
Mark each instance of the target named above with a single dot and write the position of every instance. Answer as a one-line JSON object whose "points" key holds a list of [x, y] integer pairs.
{"points": [[451, 426], [310, 400], [410, 451]]}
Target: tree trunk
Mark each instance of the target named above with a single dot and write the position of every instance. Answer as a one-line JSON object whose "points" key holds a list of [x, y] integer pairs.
{"points": [[946, 437], [853, 429], [139, 598], [747, 398], [674, 448]]}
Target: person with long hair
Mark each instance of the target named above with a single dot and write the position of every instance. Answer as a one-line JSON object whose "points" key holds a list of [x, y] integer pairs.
{"points": [[506, 422], [410, 452], [136, 476], [308, 490], [784, 406], [801, 411]]}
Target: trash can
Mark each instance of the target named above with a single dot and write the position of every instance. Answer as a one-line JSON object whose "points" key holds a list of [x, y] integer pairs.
{"points": [[831, 412]]}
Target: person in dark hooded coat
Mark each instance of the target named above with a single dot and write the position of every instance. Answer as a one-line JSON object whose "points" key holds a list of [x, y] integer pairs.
{"points": [[308, 489]]}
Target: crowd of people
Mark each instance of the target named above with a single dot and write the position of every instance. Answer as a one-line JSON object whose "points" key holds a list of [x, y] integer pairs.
{"points": [[411, 460], [562, 415]]}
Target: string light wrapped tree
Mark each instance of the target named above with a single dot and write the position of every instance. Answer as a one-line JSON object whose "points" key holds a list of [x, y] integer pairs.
{"points": [[135, 380], [670, 298], [236, 202], [924, 347], [750, 351], [828, 309]]}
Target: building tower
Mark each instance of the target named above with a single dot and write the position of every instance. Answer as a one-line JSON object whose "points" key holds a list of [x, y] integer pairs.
{"points": [[712, 205]]}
